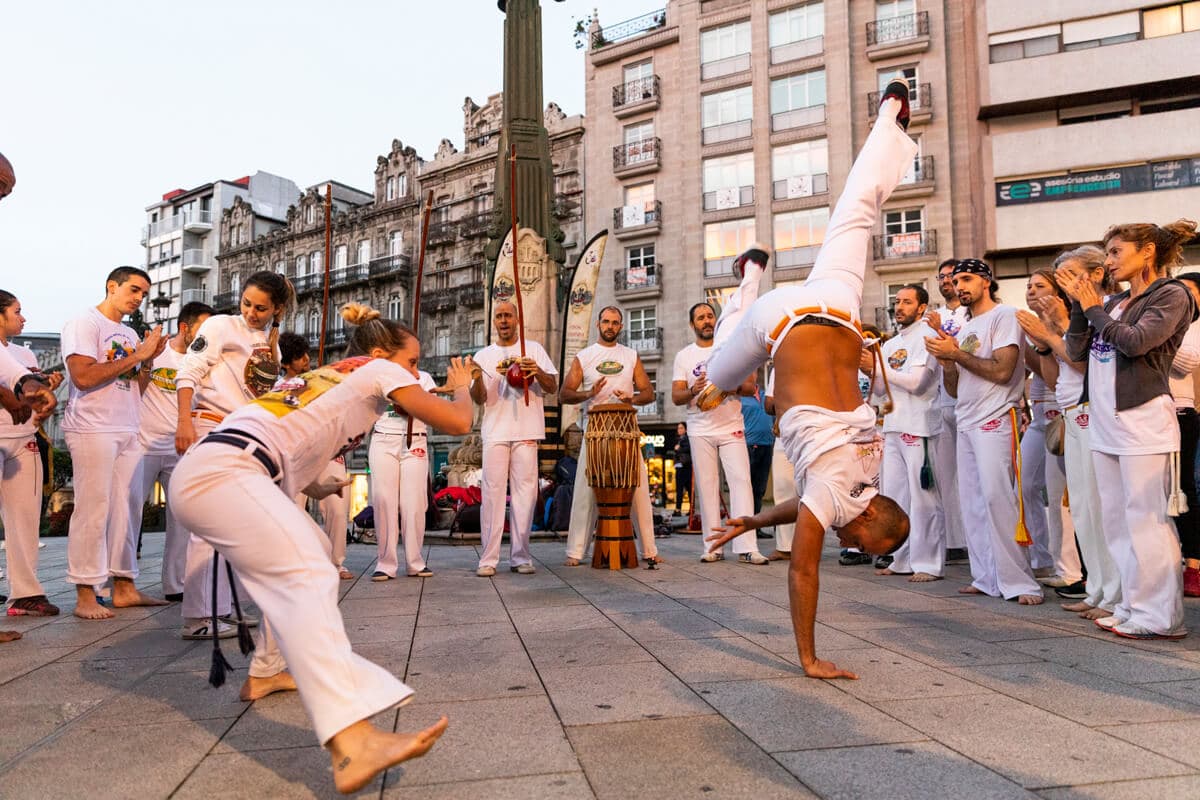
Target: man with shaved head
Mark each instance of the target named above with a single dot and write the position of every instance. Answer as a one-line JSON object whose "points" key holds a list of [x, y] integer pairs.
{"points": [[511, 430]]}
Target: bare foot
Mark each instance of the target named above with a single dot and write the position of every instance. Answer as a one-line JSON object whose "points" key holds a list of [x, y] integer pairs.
{"points": [[258, 688], [1030, 599], [126, 595], [970, 590], [890, 571], [780, 555], [362, 751], [572, 562], [1095, 613], [9, 636], [923, 577], [1076, 607], [86, 606]]}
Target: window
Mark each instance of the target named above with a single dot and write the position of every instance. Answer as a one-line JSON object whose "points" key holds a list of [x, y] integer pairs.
{"points": [[301, 266], [639, 132], [638, 71], [395, 243], [903, 233], [800, 169], [640, 196], [717, 298], [643, 328], [309, 214], [314, 322], [639, 142], [235, 287], [340, 254], [478, 338], [724, 108], [640, 267], [796, 24], [390, 192], [723, 242], [393, 307], [890, 9], [317, 261], [442, 342], [728, 181], [281, 267], [798, 100], [798, 236], [727, 41], [1171, 19], [299, 323], [364, 251], [907, 74], [401, 185], [915, 173]]}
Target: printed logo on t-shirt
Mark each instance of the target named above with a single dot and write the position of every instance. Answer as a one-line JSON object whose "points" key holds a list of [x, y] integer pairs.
{"points": [[117, 350], [198, 345], [1081, 420], [991, 425], [951, 326], [1102, 351], [896, 360], [610, 368], [298, 392], [910, 440], [262, 370], [970, 344], [700, 369], [163, 378]]}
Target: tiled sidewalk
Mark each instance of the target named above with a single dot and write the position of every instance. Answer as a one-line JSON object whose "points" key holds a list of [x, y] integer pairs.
{"points": [[579, 683]]}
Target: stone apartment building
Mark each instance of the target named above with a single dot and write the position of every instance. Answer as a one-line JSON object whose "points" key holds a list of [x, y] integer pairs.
{"points": [[376, 240]]}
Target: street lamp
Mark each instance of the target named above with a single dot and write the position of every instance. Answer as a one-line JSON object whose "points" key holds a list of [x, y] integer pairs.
{"points": [[161, 304]]}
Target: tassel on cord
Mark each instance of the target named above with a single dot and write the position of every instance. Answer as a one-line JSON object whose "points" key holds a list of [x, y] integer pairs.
{"points": [[216, 673], [245, 640], [1022, 535], [1177, 504], [926, 467]]}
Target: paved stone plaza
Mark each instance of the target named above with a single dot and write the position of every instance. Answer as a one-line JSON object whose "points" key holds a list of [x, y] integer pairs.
{"points": [[579, 683]]}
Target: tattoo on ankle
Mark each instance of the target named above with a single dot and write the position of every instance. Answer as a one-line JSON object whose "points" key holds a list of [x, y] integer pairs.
{"points": [[345, 762]]}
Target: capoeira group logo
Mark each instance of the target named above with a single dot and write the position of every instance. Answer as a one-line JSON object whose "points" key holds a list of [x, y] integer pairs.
{"points": [[581, 298], [262, 370], [503, 290], [298, 392], [117, 350], [610, 368], [164, 378], [1102, 350], [970, 344], [951, 326], [896, 360]]}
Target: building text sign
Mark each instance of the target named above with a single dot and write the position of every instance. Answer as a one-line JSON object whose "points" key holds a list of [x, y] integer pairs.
{"points": [[1157, 176]]}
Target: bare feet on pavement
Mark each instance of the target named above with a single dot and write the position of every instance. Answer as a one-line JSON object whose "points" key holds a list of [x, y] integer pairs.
{"points": [[970, 590], [86, 606], [889, 571], [9, 636], [1030, 599], [1095, 613], [1076, 607], [362, 751], [258, 688], [923, 577], [126, 595]]}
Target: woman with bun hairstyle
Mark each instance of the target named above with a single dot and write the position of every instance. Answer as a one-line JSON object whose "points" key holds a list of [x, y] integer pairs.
{"points": [[233, 359], [255, 461], [1129, 342]]}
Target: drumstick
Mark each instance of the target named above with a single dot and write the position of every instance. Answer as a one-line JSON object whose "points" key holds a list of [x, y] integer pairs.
{"points": [[512, 202]]}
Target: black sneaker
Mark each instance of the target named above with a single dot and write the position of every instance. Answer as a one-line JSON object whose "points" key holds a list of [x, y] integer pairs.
{"points": [[849, 558], [1075, 591], [956, 555], [883, 562], [898, 89], [757, 253], [174, 597]]}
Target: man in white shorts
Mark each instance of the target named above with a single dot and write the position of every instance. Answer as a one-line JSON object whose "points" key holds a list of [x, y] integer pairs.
{"points": [[814, 334], [607, 372], [511, 431]]}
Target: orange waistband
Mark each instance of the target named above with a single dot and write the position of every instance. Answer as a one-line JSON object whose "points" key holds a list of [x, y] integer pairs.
{"points": [[209, 416], [799, 313]]}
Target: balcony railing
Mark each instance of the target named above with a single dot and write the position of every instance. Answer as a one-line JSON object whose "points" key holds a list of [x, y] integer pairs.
{"points": [[197, 221], [309, 282], [632, 154], [197, 260], [905, 245], [646, 342], [385, 266], [564, 208], [474, 225], [800, 186], [195, 296], [803, 48], [727, 132], [654, 409], [637, 216], [629, 28], [922, 172], [314, 339], [638, 279], [798, 117], [635, 92], [471, 296], [898, 29], [442, 232], [796, 257], [733, 197], [336, 337], [344, 276], [224, 300], [719, 267], [439, 299], [725, 66], [919, 99]]}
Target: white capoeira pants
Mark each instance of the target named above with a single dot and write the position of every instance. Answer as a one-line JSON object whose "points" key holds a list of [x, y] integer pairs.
{"points": [[157, 468], [925, 549], [1103, 579], [988, 495], [583, 511], [400, 497], [198, 566], [335, 514], [21, 512], [514, 464], [282, 558], [730, 449], [1049, 524], [783, 486], [98, 542], [1141, 538], [944, 451]]}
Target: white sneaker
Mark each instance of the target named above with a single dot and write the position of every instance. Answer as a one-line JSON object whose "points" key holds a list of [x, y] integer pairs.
{"points": [[523, 569], [758, 559], [485, 572], [709, 558], [202, 629], [1108, 623]]}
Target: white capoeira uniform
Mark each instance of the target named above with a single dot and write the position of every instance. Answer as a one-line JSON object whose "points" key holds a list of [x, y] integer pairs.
{"points": [[986, 468], [945, 445], [907, 433], [835, 454], [335, 511], [1103, 580], [281, 556], [783, 483], [156, 440], [101, 429], [227, 365], [616, 364], [1131, 455], [1049, 524], [399, 487], [20, 490], [511, 431]]}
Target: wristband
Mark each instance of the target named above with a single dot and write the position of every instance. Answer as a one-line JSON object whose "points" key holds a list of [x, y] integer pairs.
{"points": [[1041, 352]]}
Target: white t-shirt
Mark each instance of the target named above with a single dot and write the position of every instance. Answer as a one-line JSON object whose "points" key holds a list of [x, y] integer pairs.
{"points": [[1182, 386], [981, 400], [114, 406], [1141, 430], [908, 362], [616, 364], [506, 418], [953, 321], [160, 411], [837, 458], [24, 361], [319, 415], [1068, 389], [690, 365], [228, 364], [394, 421]]}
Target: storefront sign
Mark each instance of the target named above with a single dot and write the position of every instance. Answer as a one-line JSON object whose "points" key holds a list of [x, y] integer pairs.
{"points": [[1157, 176]]}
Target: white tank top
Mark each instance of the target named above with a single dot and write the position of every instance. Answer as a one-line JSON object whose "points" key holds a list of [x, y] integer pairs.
{"points": [[615, 364]]}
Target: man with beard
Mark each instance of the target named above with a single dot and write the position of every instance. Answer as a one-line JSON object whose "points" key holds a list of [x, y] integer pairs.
{"points": [[607, 372], [980, 372], [715, 433], [951, 318], [914, 419]]}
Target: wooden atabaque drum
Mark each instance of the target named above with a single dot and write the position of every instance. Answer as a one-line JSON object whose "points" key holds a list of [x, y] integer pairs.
{"points": [[613, 450]]}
